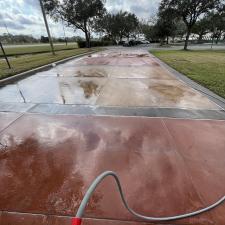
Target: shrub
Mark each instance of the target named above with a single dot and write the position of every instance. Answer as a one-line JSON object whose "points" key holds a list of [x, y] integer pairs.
{"points": [[82, 44]]}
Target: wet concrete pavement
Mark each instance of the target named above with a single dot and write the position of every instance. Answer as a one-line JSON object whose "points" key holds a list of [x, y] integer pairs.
{"points": [[165, 166], [164, 139], [113, 78]]}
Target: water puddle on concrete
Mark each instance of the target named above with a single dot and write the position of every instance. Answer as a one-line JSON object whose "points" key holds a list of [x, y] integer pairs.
{"points": [[90, 88], [169, 92]]}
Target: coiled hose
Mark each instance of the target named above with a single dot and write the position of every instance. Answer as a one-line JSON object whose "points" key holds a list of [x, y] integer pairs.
{"points": [[78, 219]]}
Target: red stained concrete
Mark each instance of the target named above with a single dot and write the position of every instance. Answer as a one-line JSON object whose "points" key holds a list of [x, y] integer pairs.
{"points": [[203, 152], [27, 219], [166, 167], [22, 219]]}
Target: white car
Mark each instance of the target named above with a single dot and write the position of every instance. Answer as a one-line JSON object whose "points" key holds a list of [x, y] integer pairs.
{"points": [[145, 42]]}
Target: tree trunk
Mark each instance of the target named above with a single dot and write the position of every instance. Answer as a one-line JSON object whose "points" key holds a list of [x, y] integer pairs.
{"points": [[167, 40], [217, 40], [200, 38], [212, 41], [87, 37], [187, 39]]}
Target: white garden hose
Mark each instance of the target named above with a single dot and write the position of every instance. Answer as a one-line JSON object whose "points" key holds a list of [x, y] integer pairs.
{"points": [[78, 219]]}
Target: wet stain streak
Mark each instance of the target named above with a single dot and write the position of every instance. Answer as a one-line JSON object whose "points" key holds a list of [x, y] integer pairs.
{"points": [[172, 93], [155, 64], [91, 73], [55, 189], [143, 55], [92, 141], [90, 88]]}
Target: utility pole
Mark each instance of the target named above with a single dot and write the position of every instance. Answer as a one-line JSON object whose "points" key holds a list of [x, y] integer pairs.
{"points": [[47, 28], [64, 33], [6, 59]]}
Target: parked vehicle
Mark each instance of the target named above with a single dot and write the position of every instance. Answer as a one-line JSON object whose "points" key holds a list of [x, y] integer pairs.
{"points": [[135, 42], [145, 42], [126, 44]]}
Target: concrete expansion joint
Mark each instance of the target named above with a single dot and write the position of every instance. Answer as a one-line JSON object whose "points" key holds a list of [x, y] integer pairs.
{"points": [[50, 217]]}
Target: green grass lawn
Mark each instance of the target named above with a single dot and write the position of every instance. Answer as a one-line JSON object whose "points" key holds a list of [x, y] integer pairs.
{"points": [[27, 62], [11, 51], [205, 67]]}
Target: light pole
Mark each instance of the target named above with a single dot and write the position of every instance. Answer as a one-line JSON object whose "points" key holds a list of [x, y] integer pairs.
{"points": [[47, 28], [6, 59]]}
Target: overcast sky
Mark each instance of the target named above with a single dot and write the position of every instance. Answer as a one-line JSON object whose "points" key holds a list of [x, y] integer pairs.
{"points": [[24, 16]]}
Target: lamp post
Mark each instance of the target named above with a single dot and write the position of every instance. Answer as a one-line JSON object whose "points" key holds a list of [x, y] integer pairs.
{"points": [[6, 59], [47, 28]]}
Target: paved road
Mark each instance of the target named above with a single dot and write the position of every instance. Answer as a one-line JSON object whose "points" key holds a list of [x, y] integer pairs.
{"points": [[117, 110], [33, 45], [191, 46]]}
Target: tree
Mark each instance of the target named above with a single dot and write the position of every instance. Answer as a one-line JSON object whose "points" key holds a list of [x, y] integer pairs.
{"points": [[147, 27], [166, 24], [147, 30], [180, 30], [108, 26], [202, 27], [130, 24], [118, 26], [217, 22], [81, 14], [189, 11]]}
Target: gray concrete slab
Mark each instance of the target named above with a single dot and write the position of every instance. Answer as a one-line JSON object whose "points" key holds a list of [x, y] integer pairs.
{"points": [[60, 109], [152, 93], [10, 93], [204, 91], [118, 77], [15, 107]]}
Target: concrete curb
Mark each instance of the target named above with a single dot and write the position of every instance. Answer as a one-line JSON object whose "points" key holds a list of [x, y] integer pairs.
{"points": [[31, 72], [205, 91]]}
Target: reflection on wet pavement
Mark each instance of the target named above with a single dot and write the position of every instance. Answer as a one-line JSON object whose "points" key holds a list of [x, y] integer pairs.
{"points": [[116, 77]]}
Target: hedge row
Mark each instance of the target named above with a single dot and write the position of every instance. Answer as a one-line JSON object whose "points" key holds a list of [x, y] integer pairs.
{"points": [[82, 44]]}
